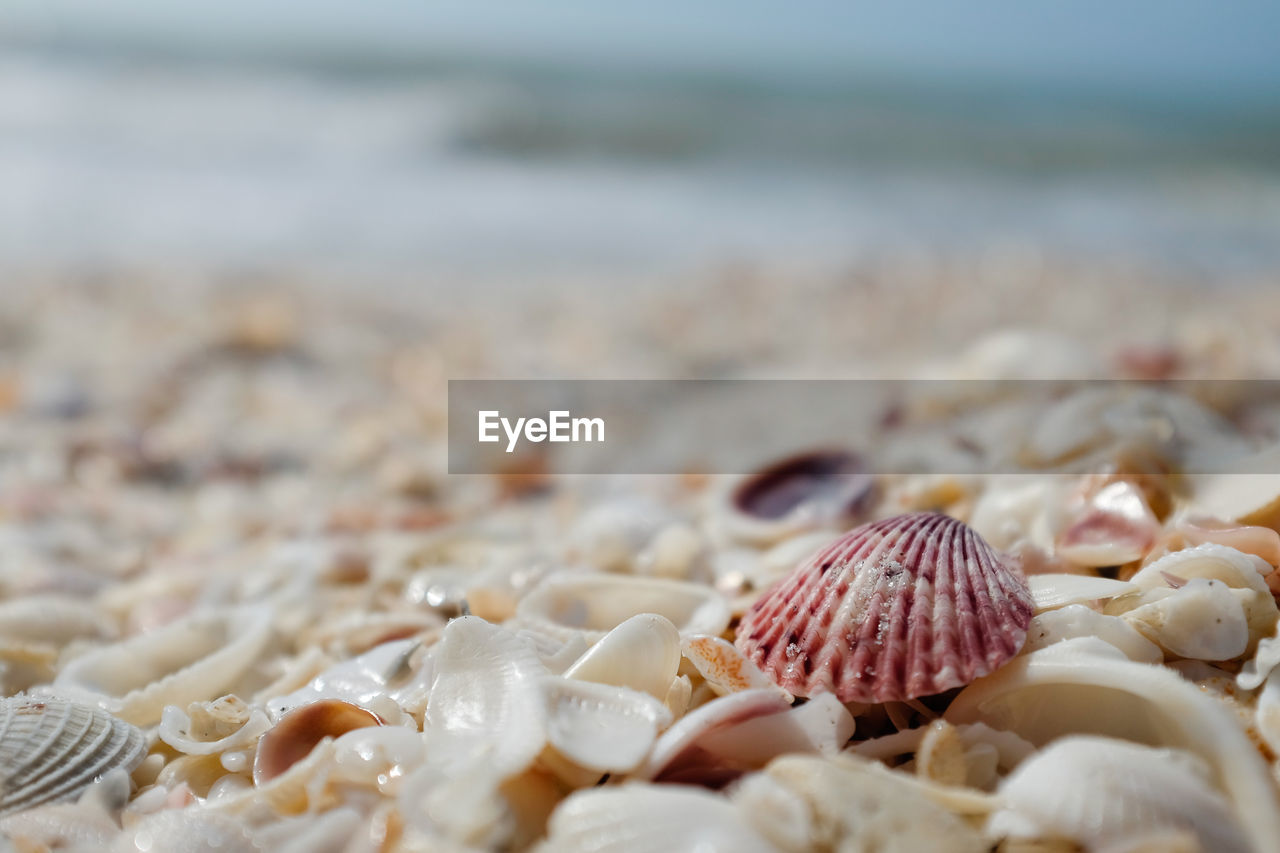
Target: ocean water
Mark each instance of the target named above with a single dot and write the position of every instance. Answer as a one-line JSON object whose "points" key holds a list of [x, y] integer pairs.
{"points": [[369, 163]]}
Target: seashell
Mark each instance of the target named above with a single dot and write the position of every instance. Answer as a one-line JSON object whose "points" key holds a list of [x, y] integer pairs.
{"points": [[387, 679], [1203, 619], [1261, 542], [860, 805], [1084, 686], [208, 728], [637, 818], [199, 657], [1250, 499], [58, 826], [720, 713], [1242, 572], [724, 738], [590, 605], [678, 551], [1267, 712], [1115, 527], [635, 535], [1058, 590], [941, 756], [819, 488], [1100, 791], [905, 607], [1256, 670], [376, 756], [295, 734], [1076, 620], [725, 668], [331, 832], [50, 619], [1013, 510], [487, 699], [302, 787], [26, 665], [51, 750], [196, 774], [642, 653], [357, 633], [600, 727]]}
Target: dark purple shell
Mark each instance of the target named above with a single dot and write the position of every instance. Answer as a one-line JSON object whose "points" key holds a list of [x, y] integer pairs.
{"points": [[832, 483]]}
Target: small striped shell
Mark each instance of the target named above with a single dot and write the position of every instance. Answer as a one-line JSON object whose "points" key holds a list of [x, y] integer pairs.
{"points": [[51, 750], [905, 607]]}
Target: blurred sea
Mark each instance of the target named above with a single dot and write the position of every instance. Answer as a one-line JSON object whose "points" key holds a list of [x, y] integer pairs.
{"points": [[369, 163]]}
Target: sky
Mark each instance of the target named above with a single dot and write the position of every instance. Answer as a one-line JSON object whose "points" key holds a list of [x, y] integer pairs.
{"points": [[1198, 46]]}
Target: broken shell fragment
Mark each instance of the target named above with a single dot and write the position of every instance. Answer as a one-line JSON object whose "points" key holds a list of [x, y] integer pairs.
{"points": [[208, 728], [855, 799], [723, 667], [194, 659], [1058, 590], [638, 818], [293, 737], [590, 605], [602, 727], [900, 608], [51, 750]]}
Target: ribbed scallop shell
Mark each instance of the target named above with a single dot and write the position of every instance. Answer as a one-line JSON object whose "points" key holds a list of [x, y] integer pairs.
{"points": [[51, 750], [905, 607]]}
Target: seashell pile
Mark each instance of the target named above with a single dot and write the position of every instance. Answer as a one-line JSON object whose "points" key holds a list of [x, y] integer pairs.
{"points": [[243, 608]]}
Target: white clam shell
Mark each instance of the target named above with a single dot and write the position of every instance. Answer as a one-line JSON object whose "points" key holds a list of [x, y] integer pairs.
{"points": [[601, 727], [1085, 686], [1058, 590], [638, 818], [242, 725], [1204, 620], [643, 653], [854, 804], [590, 605], [486, 699], [1101, 791], [198, 657], [52, 750], [389, 673], [1234, 568], [1077, 620], [746, 730]]}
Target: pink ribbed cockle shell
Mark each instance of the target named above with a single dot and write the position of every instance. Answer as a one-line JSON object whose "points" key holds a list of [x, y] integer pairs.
{"points": [[904, 607]]}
